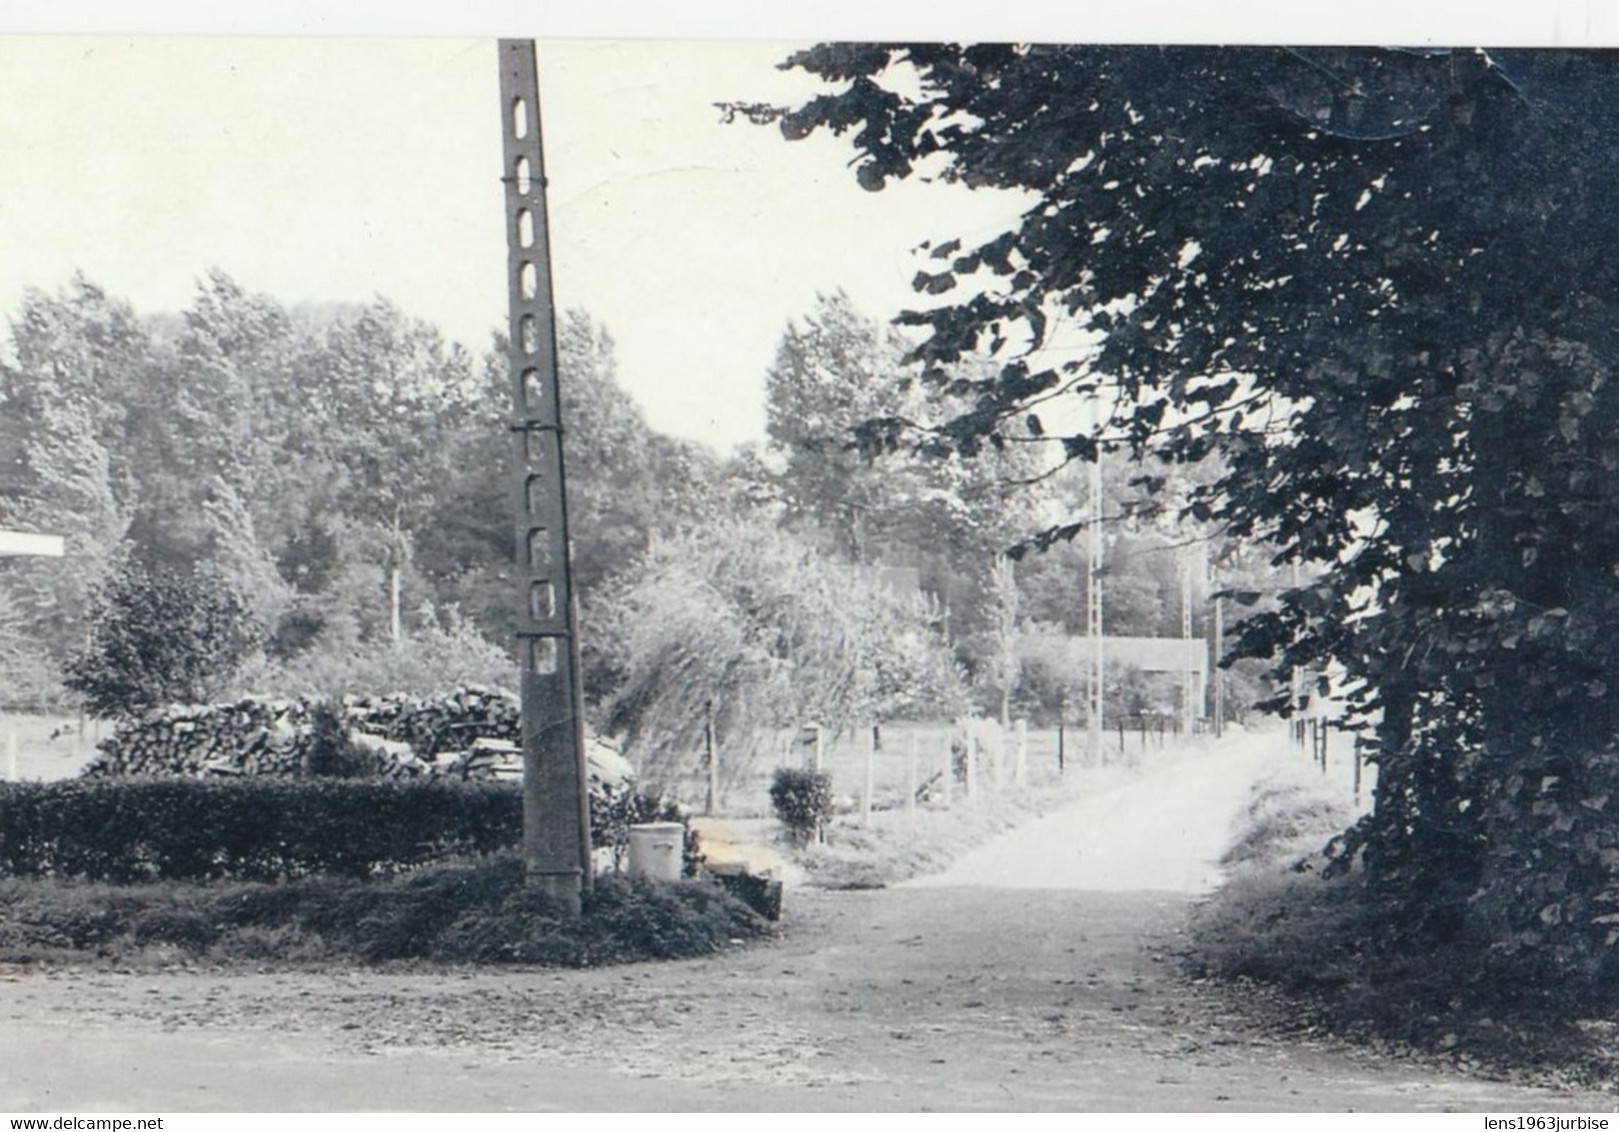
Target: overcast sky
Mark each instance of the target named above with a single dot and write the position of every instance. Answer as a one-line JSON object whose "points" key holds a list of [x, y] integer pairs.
{"points": [[322, 169], [340, 169]]}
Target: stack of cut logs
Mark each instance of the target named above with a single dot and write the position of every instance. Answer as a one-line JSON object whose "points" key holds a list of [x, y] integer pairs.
{"points": [[473, 733], [435, 726], [250, 736]]}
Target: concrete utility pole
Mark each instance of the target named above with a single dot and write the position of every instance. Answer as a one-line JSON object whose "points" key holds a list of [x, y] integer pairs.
{"points": [[711, 756], [556, 810], [1219, 673], [1093, 592], [1189, 674], [1295, 719]]}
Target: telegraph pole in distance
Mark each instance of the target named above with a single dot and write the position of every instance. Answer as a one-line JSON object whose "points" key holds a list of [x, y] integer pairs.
{"points": [[1217, 674], [556, 810], [1093, 592], [1189, 673]]}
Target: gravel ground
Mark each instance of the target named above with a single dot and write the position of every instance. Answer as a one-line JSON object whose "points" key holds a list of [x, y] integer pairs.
{"points": [[953, 994]]}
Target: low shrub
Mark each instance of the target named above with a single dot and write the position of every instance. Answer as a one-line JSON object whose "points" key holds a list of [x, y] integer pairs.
{"points": [[481, 912], [1311, 953], [802, 800], [331, 750], [612, 812]]}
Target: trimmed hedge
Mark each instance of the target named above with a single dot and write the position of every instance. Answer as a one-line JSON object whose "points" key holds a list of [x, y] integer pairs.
{"points": [[133, 830]]}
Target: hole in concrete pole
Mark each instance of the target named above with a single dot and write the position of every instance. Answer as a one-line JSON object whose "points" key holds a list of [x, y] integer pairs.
{"points": [[528, 281], [542, 601], [525, 228], [542, 655], [537, 450], [533, 391], [525, 180], [539, 548], [519, 118], [529, 333]]}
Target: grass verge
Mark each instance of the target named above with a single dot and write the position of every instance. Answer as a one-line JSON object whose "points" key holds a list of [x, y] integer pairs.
{"points": [[890, 848], [479, 912], [896, 845], [1312, 955]]}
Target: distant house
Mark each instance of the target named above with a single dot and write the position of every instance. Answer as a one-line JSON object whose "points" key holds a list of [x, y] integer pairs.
{"points": [[1156, 654]]}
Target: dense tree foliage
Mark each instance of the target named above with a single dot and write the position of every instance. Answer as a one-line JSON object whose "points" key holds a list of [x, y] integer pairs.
{"points": [[346, 471], [159, 636], [1382, 285], [948, 519], [65, 464], [341, 466], [749, 628]]}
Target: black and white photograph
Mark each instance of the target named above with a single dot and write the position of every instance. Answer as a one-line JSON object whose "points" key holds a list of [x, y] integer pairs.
{"points": [[983, 564]]}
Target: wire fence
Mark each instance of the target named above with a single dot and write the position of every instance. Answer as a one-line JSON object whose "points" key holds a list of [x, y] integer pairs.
{"points": [[1337, 754], [884, 766]]}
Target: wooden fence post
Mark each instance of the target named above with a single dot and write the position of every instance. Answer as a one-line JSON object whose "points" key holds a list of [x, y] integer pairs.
{"points": [[871, 770], [713, 760], [969, 785], [998, 758], [1020, 768], [910, 778]]}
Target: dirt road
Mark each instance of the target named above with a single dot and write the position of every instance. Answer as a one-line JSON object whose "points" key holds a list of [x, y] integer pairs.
{"points": [[1055, 988]]}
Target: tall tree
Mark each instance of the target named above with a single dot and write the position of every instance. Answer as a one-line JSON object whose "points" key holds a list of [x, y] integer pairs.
{"points": [[627, 483], [834, 369], [1376, 282], [837, 369], [64, 467], [389, 389], [227, 467]]}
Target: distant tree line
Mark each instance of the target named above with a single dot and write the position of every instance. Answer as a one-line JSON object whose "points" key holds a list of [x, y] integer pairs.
{"points": [[328, 491]]}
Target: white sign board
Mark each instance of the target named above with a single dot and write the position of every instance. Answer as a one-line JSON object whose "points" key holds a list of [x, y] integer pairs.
{"points": [[16, 542]]}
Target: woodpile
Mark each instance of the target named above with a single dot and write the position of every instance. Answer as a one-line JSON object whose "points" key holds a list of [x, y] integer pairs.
{"points": [[434, 726], [250, 736], [473, 733], [486, 758], [503, 759]]}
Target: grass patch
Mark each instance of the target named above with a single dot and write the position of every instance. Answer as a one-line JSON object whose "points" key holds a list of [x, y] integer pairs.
{"points": [[1284, 824], [1328, 955], [891, 848], [481, 912]]}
